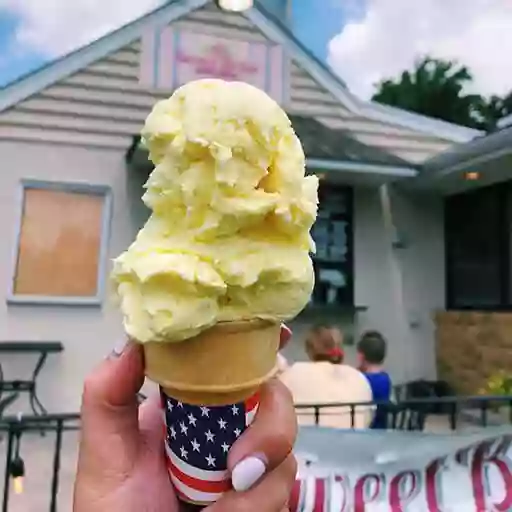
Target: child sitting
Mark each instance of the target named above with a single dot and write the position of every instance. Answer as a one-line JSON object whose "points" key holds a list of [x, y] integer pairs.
{"points": [[371, 352]]}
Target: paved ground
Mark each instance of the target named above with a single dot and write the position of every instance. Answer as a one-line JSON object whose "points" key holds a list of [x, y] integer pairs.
{"points": [[38, 452]]}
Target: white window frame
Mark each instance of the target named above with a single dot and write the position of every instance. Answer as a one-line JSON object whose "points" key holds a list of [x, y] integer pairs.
{"points": [[103, 260]]}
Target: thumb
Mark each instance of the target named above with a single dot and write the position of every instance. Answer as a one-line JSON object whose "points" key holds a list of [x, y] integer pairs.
{"points": [[110, 408]]}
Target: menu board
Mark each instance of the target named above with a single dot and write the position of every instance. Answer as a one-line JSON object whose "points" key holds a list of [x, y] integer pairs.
{"points": [[332, 233]]}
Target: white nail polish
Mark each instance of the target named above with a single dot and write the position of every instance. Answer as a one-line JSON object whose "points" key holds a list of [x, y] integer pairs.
{"points": [[119, 348], [246, 473]]}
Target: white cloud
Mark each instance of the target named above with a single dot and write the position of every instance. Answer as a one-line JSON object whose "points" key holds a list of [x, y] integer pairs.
{"points": [[394, 33], [55, 27]]}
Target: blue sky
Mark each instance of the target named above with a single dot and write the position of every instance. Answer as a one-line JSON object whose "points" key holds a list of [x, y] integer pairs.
{"points": [[19, 59], [362, 40], [310, 13], [14, 60]]}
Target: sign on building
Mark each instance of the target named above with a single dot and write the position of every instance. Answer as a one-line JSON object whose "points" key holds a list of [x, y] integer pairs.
{"points": [[171, 57]]}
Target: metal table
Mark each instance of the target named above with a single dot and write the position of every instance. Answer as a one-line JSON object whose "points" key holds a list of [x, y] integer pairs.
{"points": [[15, 387]]}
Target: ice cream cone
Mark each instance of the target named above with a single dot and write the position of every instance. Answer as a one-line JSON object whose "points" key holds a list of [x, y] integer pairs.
{"points": [[223, 364], [209, 386], [240, 250]]}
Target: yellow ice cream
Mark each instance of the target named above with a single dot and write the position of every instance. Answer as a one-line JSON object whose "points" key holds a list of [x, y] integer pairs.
{"points": [[228, 238]]}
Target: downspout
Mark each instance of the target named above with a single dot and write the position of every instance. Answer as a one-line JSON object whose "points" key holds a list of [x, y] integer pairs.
{"points": [[397, 283]]}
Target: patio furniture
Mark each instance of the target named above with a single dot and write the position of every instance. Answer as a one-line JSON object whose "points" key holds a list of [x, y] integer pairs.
{"points": [[405, 416], [15, 387], [430, 389], [7, 401]]}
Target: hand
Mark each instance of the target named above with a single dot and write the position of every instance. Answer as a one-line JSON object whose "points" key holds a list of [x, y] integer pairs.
{"points": [[121, 466]]}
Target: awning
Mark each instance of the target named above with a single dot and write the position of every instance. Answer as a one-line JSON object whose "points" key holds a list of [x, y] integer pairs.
{"points": [[334, 153], [482, 161]]}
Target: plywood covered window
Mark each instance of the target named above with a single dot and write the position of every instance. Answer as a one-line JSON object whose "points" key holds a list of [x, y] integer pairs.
{"points": [[61, 247]]}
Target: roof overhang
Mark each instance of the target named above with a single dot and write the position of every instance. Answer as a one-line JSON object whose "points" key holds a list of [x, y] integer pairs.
{"points": [[487, 160], [357, 173]]}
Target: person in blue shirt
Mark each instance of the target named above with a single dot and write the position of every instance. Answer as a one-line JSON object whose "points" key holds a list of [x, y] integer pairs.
{"points": [[371, 352]]}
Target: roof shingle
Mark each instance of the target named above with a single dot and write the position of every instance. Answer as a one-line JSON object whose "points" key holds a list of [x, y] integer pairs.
{"points": [[320, 141]]}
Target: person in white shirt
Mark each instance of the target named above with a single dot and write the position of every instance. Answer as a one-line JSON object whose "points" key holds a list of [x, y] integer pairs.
{"points": [[325, 380]]}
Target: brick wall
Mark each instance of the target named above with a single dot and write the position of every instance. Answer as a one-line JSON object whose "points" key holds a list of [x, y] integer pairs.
{"points": [[472, 346]]}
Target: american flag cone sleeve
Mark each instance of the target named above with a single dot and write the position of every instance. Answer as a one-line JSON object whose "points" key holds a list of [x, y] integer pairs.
{"points": [[197, 442], [209, 392]]}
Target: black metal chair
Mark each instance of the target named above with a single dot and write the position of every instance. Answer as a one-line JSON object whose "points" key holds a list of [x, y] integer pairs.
{"points": [[405, 417], [426, 389], [7, 401]]}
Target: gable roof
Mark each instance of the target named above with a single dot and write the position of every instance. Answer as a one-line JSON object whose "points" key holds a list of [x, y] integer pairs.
{"points": [[271, 27]]}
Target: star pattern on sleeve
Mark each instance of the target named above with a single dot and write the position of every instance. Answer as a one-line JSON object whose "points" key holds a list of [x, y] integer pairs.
{"points": [[202, 436]]}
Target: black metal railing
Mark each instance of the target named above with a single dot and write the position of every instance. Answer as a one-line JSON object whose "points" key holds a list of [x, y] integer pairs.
{"points": [[402, 415], [13, 429], [411, 414]]}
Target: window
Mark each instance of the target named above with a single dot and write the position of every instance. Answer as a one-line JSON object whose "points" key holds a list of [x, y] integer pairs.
{"points": [[61, 246], [478, 239], [333, 236]]}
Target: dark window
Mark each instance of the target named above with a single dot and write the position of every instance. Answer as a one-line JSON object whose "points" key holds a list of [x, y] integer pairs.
{"points": [[333, 235], [477, 236]]}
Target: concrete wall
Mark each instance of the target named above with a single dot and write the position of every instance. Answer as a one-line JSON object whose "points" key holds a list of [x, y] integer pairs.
{"points": [[399, 288], [88, 333], [402, 286], [419, 225]]}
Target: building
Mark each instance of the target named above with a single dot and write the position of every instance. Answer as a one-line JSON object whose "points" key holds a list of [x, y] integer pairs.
{"points": [[474, 333], [71, 191]]}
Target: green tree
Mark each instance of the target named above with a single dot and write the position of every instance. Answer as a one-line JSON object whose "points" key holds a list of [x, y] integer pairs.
{"points": [[491, 110], [435, 88]]}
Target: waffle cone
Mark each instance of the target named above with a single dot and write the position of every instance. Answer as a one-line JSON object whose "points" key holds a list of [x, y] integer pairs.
{"points": [[224, 364]]}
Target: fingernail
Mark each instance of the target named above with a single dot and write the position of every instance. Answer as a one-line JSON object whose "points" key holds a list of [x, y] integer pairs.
{"points": [[286, 333], [119, 348], [246, 473]]}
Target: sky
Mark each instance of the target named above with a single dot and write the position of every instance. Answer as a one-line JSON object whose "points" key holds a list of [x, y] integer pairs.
{"points": [[363, 41]]}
